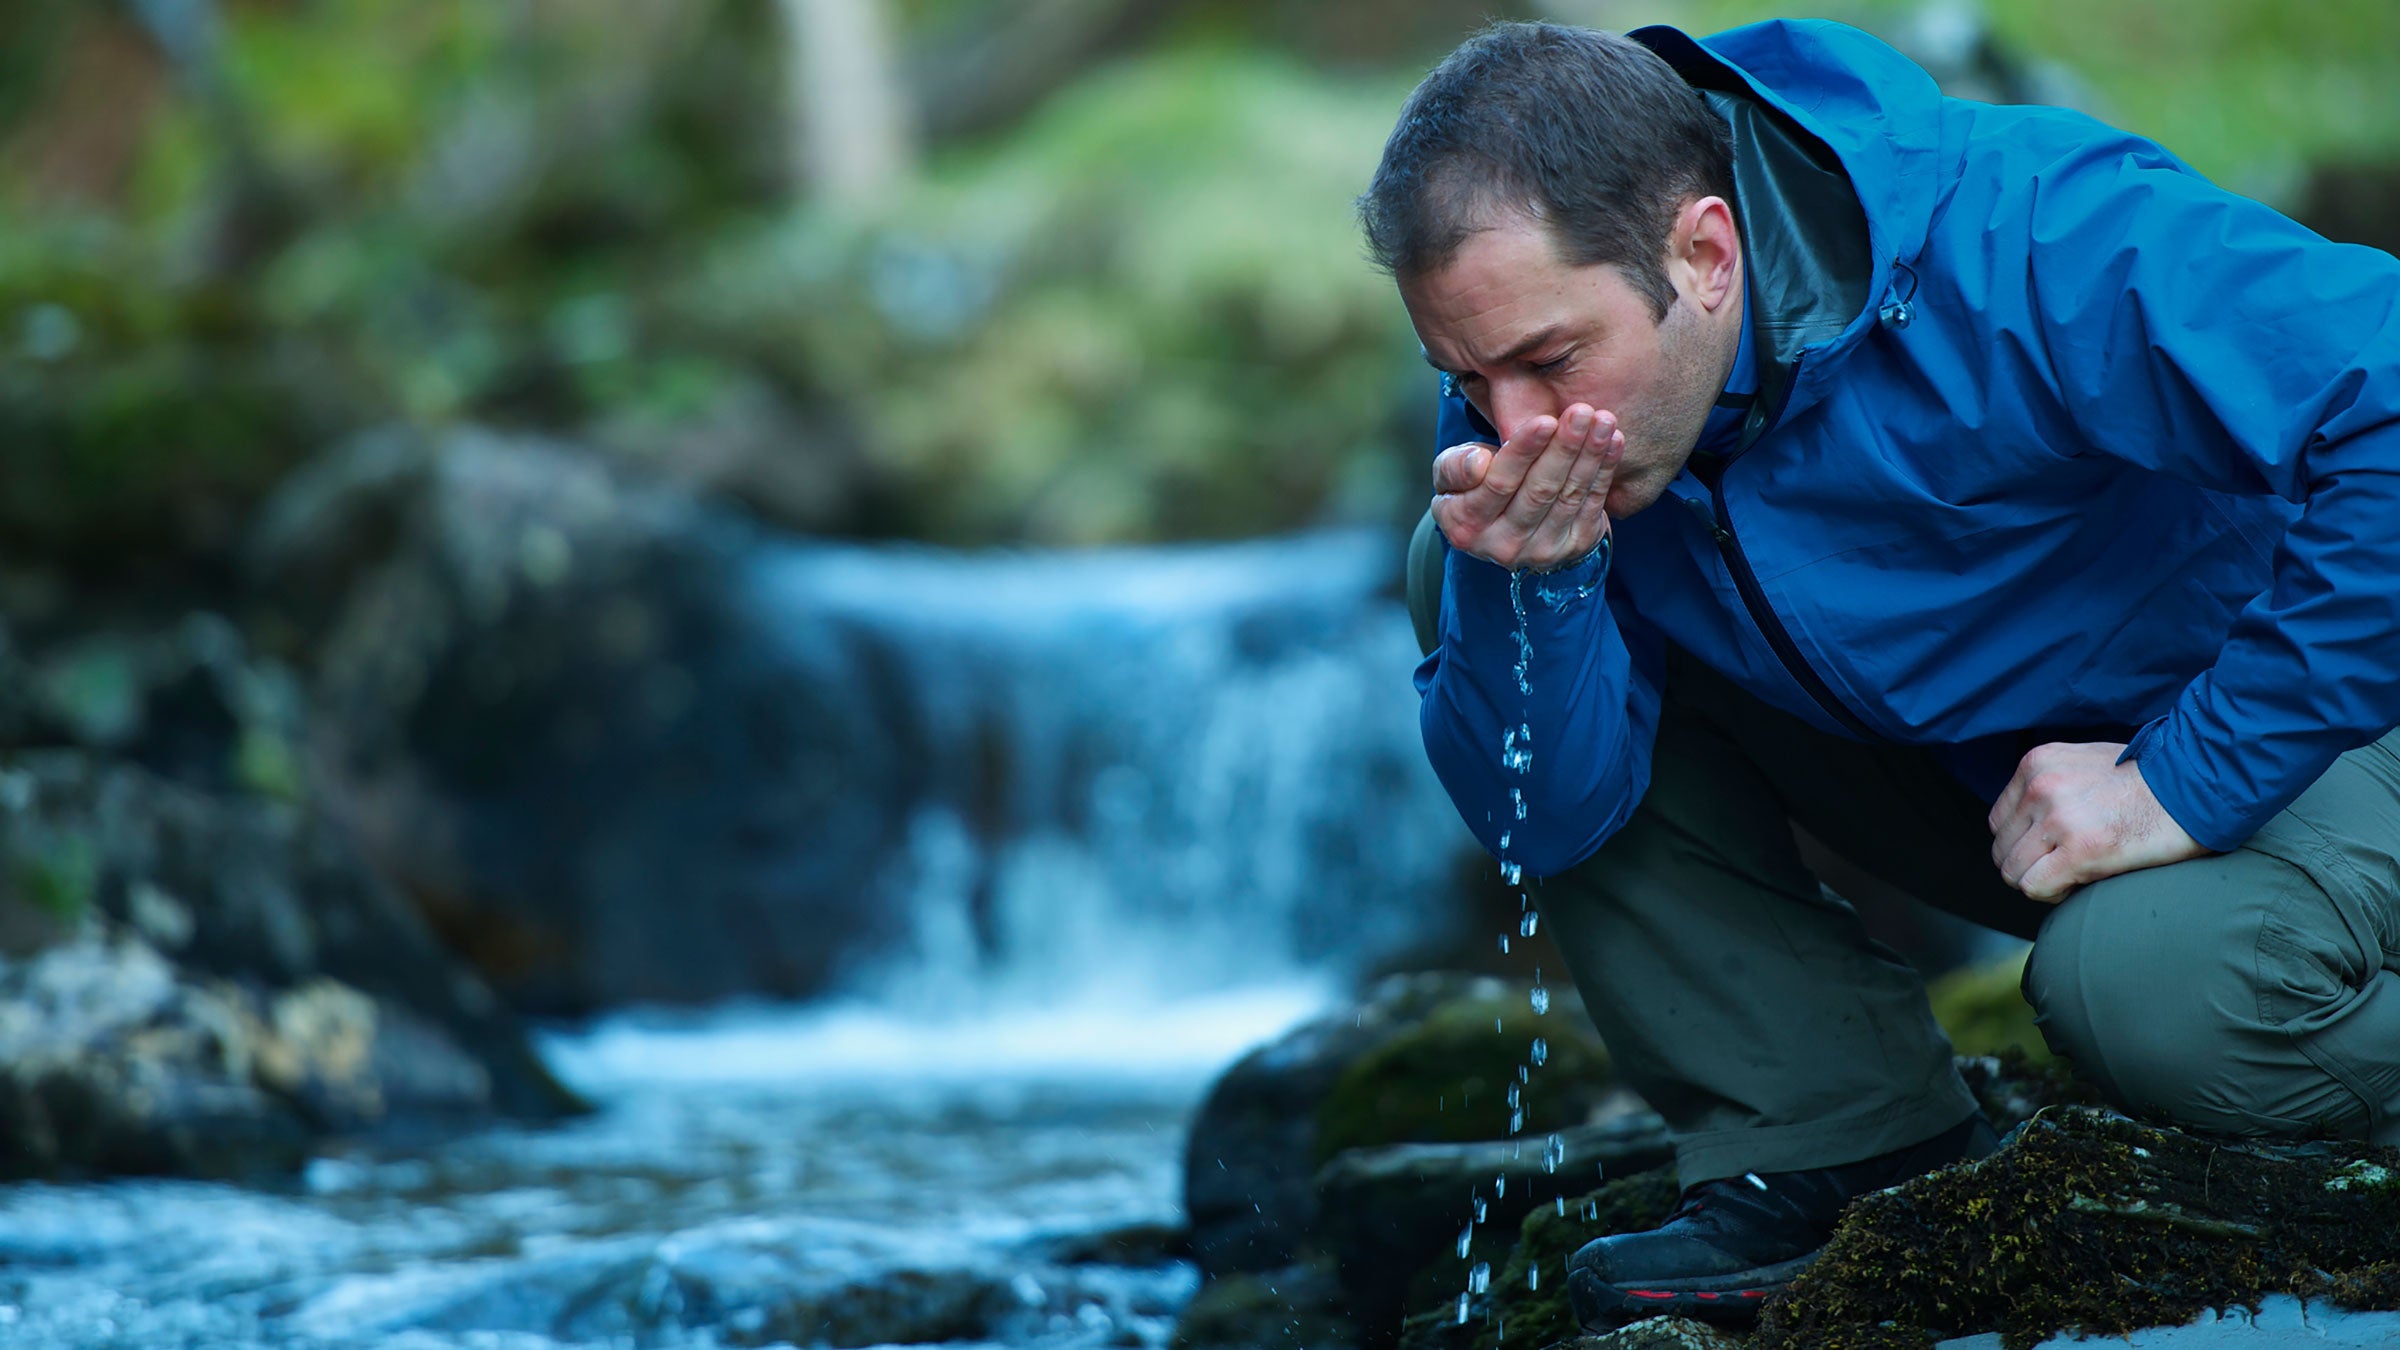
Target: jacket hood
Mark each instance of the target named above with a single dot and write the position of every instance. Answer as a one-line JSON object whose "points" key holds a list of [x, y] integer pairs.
{"points": [[1836, 156]]}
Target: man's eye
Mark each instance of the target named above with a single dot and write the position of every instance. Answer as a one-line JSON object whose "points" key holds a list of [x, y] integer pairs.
{"points": [[1549, 367]]}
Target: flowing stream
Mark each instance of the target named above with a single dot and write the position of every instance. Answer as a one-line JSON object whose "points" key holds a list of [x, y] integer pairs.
{"points": [[755, 1176], [1172, 801]]}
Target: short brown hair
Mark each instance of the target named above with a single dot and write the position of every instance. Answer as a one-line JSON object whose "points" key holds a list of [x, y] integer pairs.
{"points": [[1591, 133]]}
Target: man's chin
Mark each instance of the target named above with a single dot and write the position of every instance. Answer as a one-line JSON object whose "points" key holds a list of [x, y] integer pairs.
{"points": [[1626, 500]]}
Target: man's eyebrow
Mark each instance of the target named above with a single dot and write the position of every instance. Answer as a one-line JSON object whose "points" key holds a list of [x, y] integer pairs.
{"points": [[1532, 343]]}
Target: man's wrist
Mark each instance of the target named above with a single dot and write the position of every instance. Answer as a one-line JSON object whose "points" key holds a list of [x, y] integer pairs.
{"points": [[1576, 581]]}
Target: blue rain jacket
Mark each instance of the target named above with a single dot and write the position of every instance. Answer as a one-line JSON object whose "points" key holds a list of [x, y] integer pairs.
{"points": [[2130, 468]]}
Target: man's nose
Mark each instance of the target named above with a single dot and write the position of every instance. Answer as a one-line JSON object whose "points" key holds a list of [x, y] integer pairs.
{"points": [[1516, 402]]}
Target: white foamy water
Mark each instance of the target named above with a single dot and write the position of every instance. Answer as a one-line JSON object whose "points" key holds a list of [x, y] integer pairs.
{"points": [[855, 1046]]}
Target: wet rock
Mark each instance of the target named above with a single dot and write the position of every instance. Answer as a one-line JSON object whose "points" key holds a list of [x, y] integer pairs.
{"points": [[1296, 1307], [2091, 1222], [1411, 1046], [1388, 1214], [1133, 1244], [117, 1062], [1525, 1306], [547, 710], [202, 984]]}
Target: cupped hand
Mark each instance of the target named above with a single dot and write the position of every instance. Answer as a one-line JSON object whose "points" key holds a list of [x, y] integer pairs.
{"points": [[2073, 815], [1539, 501]]}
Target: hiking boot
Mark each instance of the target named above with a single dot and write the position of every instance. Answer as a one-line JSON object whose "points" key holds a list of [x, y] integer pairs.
{"points": [[1733, 1241]]}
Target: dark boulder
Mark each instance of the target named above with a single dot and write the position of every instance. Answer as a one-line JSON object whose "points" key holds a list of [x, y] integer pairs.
{"points": [[1391, 1069], [201, 984], [546, 707], [1392, 1215]]}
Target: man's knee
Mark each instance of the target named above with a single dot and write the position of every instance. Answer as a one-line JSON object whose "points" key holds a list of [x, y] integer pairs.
{"points": [[2152, 984]]}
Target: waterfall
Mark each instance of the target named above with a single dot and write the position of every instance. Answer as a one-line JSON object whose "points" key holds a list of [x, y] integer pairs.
{"points": [[1142, 771]]}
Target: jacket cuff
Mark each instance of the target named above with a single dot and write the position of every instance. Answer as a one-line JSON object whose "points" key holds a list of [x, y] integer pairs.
{"points": [[2168, 762]]}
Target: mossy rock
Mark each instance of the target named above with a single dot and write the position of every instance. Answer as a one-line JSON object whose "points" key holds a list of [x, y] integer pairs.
{"points": [[1520, 1311], [1983, 1008], [1446, 1080], [1296, 1306], [2094, 1223]]}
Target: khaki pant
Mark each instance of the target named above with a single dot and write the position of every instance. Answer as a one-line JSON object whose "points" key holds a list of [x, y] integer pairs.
{"points": [[2255, 992]]}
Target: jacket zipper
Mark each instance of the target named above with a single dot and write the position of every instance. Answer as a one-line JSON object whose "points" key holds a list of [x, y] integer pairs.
{"points": [[1720, 526]]}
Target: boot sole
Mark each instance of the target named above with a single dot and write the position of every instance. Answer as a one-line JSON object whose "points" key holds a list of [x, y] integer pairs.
{"points": [[1733, 1299]]}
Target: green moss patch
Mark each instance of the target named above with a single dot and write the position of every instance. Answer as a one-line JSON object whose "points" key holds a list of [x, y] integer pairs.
{"points": [[1523, 1310], [1447, 1079]]}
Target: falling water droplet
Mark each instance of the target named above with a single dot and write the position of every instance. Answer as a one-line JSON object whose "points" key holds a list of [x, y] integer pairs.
{"points": [[1517, 797], [1504, 944], [1505, 836], [1541, 999], [1466, 1239], [1524, 1075], [1462, 1309], [1531, 922], [1480, 1278], [1553, 1153], [1516, 1095], [1500, 1185], [1562, 1206], [1516, 1121], [1481, 1208], [1533, 1273], [1512, 873], [1541, 1050]]}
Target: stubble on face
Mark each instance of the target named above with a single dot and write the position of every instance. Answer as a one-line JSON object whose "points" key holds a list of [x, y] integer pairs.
{"points": [[1657, 376]]}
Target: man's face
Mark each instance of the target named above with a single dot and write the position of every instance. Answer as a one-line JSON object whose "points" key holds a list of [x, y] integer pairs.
{"points": [[1529, 335]]}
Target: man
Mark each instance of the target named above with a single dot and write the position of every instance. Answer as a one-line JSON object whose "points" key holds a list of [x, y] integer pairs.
{"points": [[1974, 488]]}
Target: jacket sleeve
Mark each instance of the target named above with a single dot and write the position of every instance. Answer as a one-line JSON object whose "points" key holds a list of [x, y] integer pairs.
{"points": [[2200, 334], [1579, 756]]}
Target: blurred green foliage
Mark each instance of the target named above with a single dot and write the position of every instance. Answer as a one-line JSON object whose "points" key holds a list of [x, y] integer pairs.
{"points": [[2247, 91], [1144, 315], [1139, 313]]}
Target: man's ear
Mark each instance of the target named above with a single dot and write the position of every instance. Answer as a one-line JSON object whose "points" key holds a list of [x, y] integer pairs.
{"points": [[1705, 257]]}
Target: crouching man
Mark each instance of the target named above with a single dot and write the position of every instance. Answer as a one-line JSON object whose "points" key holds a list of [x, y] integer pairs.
{"points": [[1975, 488]]}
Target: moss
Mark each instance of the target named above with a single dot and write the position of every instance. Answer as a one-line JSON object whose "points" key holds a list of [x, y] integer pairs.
{"points": [[1520, 1312], [1293, 1307], [1446, 1080], [1983, 1008], [2094, 1223], [57, 876]]}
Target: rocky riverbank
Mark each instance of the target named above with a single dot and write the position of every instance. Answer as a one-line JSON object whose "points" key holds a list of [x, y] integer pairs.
{"points": [[1446, 1233]]}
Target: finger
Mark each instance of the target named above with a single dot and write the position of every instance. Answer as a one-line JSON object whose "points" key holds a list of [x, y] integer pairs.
{"points": [[1461, 467], [1590, 443], [2029, 850], [1592, 522], [1517, 456], [2012, 829], [2052, 878], [1546, 480]]}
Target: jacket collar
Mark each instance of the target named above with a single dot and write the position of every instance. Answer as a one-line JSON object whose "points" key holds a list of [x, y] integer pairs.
{"points": [[1818, 262]]}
